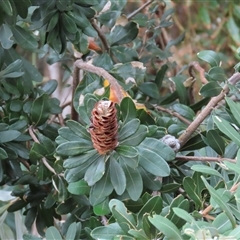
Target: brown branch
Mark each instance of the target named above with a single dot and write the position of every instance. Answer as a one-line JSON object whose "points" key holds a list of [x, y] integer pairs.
{"points": [[131, 15], [172, 113], [207, 110], [66, 104], [118, 91], [25, 163], [204, 159], [76, 79], [101, 36], [44, 160], [200, 70]]}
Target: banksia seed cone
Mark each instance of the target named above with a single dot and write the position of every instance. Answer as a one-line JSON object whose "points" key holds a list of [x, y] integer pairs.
{"points": [[104, 126]]}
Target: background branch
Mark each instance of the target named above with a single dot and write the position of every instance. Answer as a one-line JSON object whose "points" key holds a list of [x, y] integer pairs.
{"points": [[207, 110], [204, 159]]}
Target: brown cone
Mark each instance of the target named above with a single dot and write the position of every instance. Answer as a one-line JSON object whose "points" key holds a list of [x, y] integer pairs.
{"points": [[104, 127]]}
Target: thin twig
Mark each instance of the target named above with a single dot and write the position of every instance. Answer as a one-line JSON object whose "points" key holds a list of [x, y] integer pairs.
{"points": [[131, 15], [66, 104], [207, 110], [175, 114], [60, 119], [115, 87], [44, 160], [76, 79], [204, 159], [101, 36], [25, 163]]}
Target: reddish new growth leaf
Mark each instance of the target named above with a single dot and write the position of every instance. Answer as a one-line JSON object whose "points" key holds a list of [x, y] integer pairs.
{"points": [[104, 127]]}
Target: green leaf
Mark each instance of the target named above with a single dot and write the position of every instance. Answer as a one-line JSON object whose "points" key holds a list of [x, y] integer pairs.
{"points": [[24, 38], [217, 198], [102, 208], [9, 135], [119, 53], [5, 36], [194, 143], [72, 230], [159, 148], [149, 180], [73, 148], [166, 227], [128, 129], [137, 137], [107, 232], [233, 29], [160, 75], [102, 189], [153, 205], [131, 162], [138, 234], [134, 181], [150, 89], [233, 167], [6, 7], [225, 127], [40, 110], [78, 129], [152, 162], [217, 74], [205, 16], [127, 151], [53, 234], [235, 108], [216, 142], [183, 214], [123, 34], [117, 175], [180, 88], [210, 57], [234, 233], [128, 109], [222, 223], [109, 18], [95, 171], [79, 188], [210, 89], [184, 111], [190, 187], [206, 170], [125, 220], [68, 23], [3, 153]]}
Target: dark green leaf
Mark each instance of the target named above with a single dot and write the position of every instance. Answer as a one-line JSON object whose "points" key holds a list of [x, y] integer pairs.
{"points": [[166, 227], [74, 148], [150, 89], [128, 129], [206, 170], [72, 230], [3, 154], [160, 75], [176, 41], [8, 136], [102, 208], [180, 88], [123, 34], [78, 129], [235, 108], [184, 111], [217, 74], [194, 143], [6, 7], [125, 220], [24, 38], [233, 29], [17, 205], [128, 109], [127, 151], [120, 53], [109, 18], [134, 181], [95, 171], [225, 127], [217, 198], [68, 22], [152, 162], [210, 57], [216, 142], [118, 178], [137, 137], [40, 110], [210, 89]]}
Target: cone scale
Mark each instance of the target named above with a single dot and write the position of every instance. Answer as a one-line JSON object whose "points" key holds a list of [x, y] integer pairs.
{"points": [[104, 127]]}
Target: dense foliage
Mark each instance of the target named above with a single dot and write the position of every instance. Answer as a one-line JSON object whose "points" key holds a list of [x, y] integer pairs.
{"points": [[173, 172]]}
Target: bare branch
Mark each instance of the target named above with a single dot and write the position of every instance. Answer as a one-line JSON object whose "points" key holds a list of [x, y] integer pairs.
{"points": [[115, 87], [200, 70], [76, 76], [44, 160], [101, 35], [204, 159], [139, 9], [175, 114], [207, 110]]}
